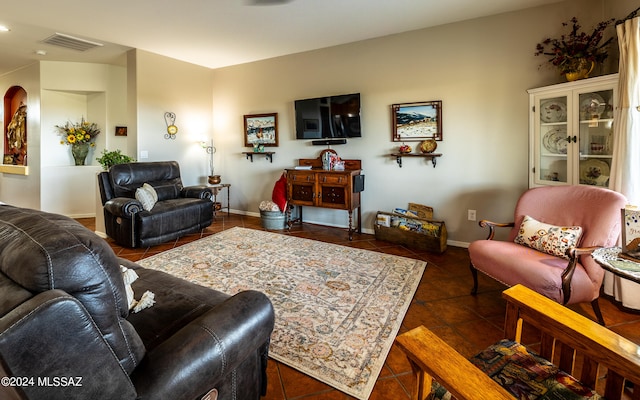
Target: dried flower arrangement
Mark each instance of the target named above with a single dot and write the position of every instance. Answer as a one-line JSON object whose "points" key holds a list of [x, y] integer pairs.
{"points": [[570, 52]]}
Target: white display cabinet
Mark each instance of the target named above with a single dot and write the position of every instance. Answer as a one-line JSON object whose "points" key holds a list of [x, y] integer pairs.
{"points": [[571, 132]]}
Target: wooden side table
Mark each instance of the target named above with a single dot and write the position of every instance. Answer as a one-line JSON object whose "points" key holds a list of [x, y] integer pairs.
{"points": [[623, 283], [216, 190]]}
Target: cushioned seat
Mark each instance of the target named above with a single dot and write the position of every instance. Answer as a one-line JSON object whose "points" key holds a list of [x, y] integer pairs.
{"points": [[533, 269], [575, 358], [65, 312], [524, 374], [553, 232], [146, 204]]}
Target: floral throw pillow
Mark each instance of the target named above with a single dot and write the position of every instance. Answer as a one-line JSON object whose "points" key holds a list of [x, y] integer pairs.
{"points": [[550, 239]]}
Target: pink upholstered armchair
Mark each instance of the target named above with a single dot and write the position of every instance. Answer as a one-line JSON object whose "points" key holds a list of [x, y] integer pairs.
{"points": [[553, 259]]}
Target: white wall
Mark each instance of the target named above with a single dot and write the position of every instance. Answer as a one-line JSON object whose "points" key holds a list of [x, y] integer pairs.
{"points": [[166, 85], [96, 92], [21, 190], [58, 92], [70, 92], [480, 69], [65, 186]]}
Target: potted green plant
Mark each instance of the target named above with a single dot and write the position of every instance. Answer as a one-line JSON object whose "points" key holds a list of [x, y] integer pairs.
{"points": [[576, 53], [109, 158]]}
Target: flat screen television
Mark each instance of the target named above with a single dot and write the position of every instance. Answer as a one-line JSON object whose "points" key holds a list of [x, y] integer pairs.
{"points": [[328, 117]]}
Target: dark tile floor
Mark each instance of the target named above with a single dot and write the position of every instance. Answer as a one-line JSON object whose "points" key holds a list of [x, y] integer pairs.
{"points": [[442, 303]]}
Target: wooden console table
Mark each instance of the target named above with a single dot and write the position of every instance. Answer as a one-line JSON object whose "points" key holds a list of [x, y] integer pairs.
{"points": [[333, 189]]}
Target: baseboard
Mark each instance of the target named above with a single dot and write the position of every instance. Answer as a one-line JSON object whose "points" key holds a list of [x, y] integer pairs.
{"points": [[76, 216], [453, 243], [248, 213]]}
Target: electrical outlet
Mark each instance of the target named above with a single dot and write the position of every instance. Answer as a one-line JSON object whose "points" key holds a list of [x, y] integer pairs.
{"points": [[471, 215]]}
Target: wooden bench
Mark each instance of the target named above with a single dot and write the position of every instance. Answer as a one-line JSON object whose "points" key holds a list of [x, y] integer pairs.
{"points": [[598, 357]]}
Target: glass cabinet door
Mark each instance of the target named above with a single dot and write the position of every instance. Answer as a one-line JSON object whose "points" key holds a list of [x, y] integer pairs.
{"points": [[552, 144], [595, 138], [571, 132]]}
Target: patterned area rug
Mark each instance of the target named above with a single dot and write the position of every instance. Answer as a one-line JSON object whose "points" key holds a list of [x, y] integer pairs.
{"points": [[338, 309]]}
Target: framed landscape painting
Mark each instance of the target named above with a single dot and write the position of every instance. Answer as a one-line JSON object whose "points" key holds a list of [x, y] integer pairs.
{"points": [[417, 121], [261, 129]]}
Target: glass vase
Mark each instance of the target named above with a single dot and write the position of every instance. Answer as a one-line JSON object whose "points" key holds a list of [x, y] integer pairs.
{"points": [[79, 152]]}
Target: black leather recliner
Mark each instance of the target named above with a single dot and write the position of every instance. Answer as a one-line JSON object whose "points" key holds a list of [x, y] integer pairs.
{"points": [[66, 331], [179, 210]]}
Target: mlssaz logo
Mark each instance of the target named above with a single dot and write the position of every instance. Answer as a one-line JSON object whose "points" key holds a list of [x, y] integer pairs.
{"points": [[60, 381]]}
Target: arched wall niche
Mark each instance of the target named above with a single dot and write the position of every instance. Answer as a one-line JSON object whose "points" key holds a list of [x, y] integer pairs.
{"points": [[15, 126]]}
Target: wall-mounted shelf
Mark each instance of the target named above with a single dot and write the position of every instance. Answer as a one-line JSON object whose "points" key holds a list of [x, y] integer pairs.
{"points": [[432, 156], [14, 169], [267, 154]]}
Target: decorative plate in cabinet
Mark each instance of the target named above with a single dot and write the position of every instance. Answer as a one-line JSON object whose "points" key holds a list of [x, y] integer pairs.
{"points": [[553, 111]]}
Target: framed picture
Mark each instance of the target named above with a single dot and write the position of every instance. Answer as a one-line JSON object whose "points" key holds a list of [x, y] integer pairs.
{"points": [[261, 129], [121, 131], [631, 232], [417, 121]]}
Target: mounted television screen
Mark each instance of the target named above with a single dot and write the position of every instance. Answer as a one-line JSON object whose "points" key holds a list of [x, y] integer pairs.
{"points": [[328, 117]]}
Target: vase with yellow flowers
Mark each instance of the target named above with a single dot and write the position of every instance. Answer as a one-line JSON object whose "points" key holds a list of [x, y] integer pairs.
{"points": [[80, 136], [576, 53]]}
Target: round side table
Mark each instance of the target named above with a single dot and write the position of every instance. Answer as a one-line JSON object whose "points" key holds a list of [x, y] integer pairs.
{"points": [[622, 280]]}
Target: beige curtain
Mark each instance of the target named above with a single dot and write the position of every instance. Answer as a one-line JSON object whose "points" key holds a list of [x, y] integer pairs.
{"points": [[625, 169]]}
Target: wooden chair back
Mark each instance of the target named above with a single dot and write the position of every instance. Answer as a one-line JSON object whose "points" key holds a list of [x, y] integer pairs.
{"points": [[597, 356]]}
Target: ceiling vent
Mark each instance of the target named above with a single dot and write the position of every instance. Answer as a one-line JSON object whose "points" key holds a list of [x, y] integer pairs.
{"points": [[70, 42], [267, 2]]}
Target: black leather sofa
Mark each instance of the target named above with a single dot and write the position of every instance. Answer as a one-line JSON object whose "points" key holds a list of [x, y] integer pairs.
{"points": [[66, 331], [178, 211]]}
